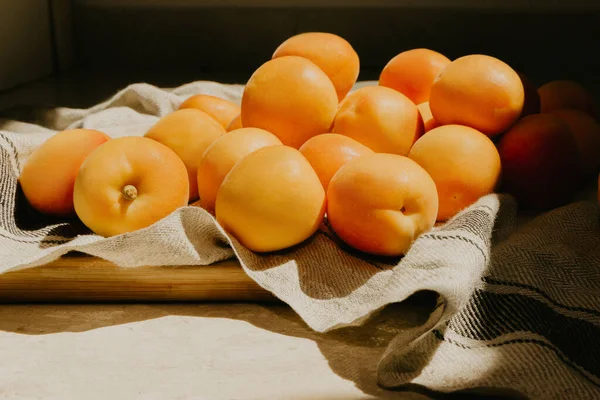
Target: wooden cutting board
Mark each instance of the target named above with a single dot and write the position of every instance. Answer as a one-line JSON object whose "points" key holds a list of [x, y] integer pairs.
{"points": [[90, 279]]}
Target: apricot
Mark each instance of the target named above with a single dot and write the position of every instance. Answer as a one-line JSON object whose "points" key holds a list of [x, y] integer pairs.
{"points": [[235, 123], [559, 94], [413, 72], [381, 118], [290, 97], [330, 52], [539, 162], [531, 102], [223, 154], [429, 122], [586, 132], [478, 91], [188, 133], [272, 199], [329, 151], [463, 163], [129, 183], [220, 109], [380, 203], [48, 176]]}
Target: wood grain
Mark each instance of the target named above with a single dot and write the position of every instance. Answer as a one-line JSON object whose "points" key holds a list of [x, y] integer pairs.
{"points": [[90, 279]]}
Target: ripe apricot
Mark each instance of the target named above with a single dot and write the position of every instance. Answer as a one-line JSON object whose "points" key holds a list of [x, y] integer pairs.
{"points": [[48, 176], [586, 132], [539, 162], [381, 118], [223, 154], [380, 203], [478, 91], [220, 109], [329, 151], [330, 52], [129, 183], [412, 73], [429, 122], [290, 97], [463, 163], [236, 123], [566, 94], [188, 133], [272, 199]]}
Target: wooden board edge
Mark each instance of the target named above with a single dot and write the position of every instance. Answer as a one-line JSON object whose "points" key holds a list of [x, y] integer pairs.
{"points": [[91, 279]]}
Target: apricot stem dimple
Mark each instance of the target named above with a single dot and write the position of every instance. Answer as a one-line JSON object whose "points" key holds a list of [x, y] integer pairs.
{"points": [[129, 192]]}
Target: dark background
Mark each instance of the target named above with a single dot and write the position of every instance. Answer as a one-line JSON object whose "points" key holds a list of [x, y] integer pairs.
{"points": [[238, 40], [114, 43]]}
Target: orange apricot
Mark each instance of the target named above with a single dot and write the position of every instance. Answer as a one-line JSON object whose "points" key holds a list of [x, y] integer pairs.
{"points": [[329, 151], [48, 176], [540, 165], [463, 163], [188, 133], [478, 91], [235, 123], [272, 199], [223, 154], [380, 203], [412, 73], [330, 52], [129, 183], [566, 94], [586, 132], [220, 109], [290, 97], [381, 118], [429, 122]]}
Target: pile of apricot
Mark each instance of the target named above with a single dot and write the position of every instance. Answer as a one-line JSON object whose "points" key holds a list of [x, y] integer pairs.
{"points": [[383, 163]]}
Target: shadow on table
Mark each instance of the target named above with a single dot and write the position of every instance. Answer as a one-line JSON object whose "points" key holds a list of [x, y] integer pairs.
{"points": [[352, 353]]}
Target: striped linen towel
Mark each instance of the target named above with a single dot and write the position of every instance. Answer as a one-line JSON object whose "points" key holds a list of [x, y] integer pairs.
{"points": [[515, 311]]}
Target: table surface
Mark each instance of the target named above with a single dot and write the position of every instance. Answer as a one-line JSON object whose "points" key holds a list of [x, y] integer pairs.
{"points": [[179, 351]]}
